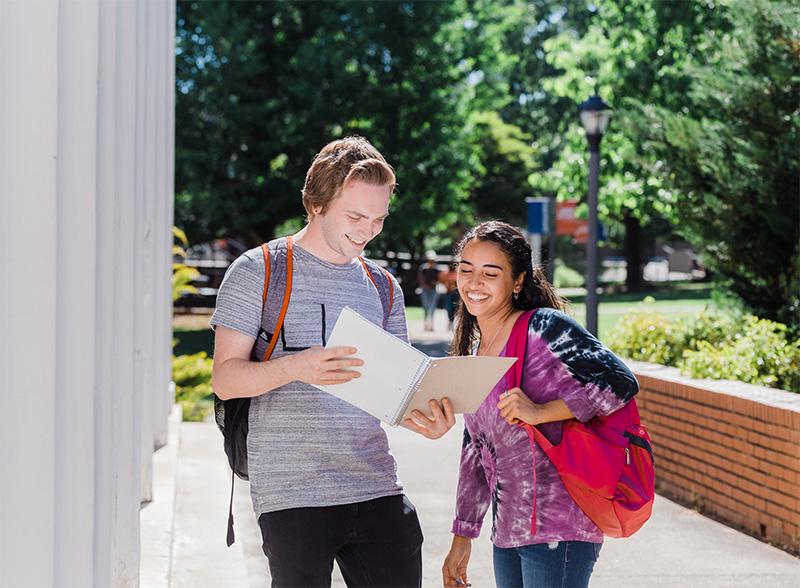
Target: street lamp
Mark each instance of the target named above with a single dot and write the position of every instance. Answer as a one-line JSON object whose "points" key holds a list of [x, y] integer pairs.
{"points": [[594, 115]]}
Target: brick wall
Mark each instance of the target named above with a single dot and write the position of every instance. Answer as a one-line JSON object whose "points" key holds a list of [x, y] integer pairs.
{"points": [[729, 449]]}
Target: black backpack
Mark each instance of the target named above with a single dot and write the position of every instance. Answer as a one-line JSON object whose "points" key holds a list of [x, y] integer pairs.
{"points": [[232, 416]]}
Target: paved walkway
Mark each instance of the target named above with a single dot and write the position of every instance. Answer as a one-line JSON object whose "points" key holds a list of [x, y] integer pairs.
{"points": [[677, 548]]}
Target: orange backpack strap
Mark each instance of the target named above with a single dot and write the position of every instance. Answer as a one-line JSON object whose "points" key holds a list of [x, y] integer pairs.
{"points": [[388, 308], [369, 273], [391, 289], [287, 293], [265, 251]]}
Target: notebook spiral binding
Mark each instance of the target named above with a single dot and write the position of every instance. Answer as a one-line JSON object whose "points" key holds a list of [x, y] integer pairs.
{"points": [[416, 382]]}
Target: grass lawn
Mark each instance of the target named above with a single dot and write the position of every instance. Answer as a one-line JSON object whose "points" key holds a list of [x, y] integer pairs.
{"points": [[608, 313], [682, 300]]}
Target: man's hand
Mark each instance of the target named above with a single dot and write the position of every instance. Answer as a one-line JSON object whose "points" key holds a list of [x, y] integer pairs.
{"points": [[454, 569], [441, 420], [320, 366]]}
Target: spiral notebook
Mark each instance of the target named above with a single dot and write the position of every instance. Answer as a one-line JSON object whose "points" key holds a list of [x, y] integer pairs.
{"points": [[396, 378]]}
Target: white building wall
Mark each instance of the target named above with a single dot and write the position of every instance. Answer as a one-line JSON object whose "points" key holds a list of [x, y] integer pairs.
{"points": [[86, 192]]}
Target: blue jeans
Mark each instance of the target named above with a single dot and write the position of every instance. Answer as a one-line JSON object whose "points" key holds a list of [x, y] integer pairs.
{"points": [[429, 298], [560, 564]]}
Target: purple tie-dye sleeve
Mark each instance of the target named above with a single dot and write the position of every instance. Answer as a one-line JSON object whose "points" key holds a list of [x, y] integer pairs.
{"points": [[574, 366], [473, 496]]}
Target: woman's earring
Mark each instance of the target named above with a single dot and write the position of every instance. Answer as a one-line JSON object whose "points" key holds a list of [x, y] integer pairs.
{"points": [[516, 295]]}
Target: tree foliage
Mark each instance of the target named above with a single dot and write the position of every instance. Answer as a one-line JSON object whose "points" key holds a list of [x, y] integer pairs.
{"points": [[262, 86], [631, 54], [731, 157], [474, 103], [505, 160]]}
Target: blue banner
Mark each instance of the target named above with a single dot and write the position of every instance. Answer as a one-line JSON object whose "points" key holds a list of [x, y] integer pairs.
{"points": [[538, 217]]}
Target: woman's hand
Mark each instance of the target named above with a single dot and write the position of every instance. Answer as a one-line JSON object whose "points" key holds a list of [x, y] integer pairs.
{"points": [[515, 407], [441, 420], [454, 569]]}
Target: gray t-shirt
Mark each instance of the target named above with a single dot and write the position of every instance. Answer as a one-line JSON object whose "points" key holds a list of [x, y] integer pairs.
{"points": [[306, 447]]}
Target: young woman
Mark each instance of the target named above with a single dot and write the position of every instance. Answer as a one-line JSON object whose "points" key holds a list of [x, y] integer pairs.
{"points": [[567, 374]]}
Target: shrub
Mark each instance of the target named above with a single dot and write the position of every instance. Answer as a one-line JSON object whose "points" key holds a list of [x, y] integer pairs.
{"points": [[645, 335], [711, 325], [761, 354], [182, 275], [566, 277], [192, 377], [716, 344]]}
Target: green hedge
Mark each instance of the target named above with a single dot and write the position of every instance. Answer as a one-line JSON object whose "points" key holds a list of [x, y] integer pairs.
{"points": [[716, 344], [192, 377]]}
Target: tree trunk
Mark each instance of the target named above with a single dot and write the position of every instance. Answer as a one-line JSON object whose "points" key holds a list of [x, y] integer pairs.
{"points": [[632, 248]]}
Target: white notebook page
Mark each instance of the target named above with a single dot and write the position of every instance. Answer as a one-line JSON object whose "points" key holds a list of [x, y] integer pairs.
{"points": [[389, 371]]}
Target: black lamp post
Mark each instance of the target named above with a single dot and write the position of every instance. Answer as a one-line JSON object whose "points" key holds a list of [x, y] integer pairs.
{"points": [[594, 115]]}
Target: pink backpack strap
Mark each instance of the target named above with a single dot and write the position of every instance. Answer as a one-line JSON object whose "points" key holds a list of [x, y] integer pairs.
{"points": [[517, 344], [517, 347]]}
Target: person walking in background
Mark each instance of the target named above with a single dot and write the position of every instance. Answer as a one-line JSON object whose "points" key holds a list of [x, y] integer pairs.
{"points": [[323, 482], [448, 280], [541, 536], [427, 279]]}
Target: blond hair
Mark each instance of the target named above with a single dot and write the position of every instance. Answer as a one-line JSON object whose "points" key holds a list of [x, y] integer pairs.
{"points": [[340, 162]]}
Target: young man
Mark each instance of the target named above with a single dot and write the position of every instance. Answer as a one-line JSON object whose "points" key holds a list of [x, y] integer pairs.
{"points": [[323, 482]]}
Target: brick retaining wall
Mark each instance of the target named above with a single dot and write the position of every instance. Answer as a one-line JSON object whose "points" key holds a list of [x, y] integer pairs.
{"points": [[729, 449]]}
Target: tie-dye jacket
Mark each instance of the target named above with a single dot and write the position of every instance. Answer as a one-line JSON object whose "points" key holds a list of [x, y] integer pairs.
{"points": [[563, 361]]}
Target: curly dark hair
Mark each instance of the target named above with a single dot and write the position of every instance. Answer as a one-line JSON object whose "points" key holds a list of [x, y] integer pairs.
{"points": [[536, 291]]}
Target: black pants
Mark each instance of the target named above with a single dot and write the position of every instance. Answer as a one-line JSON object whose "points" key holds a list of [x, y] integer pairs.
{"points": [[377, 544]]}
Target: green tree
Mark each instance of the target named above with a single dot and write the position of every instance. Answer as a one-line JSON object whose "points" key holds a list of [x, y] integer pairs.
{"points": [[506, 159], [239, 142], [414, 102], [631, 53], [505, 49], [515, 126], [731, 161], [263, 85]]}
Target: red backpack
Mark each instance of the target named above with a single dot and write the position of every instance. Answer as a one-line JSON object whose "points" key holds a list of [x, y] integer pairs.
{"points": [[606, 463]]}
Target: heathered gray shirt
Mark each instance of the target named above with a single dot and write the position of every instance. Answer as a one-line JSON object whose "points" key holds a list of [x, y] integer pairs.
{"points": [[306, 447]]}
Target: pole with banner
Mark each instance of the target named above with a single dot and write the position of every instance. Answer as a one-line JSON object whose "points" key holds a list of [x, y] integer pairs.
{"points": [[538, 221]]}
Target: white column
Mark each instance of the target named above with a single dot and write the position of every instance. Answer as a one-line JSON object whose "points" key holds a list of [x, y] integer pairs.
{"points": [[126, 440], [157, 397], [163, 225], [75, 294], [143, 244], [106, 351], [28, 148], [169, 196]]}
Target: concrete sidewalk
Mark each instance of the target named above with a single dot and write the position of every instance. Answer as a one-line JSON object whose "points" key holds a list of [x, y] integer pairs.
{"points": [[677, 548]]}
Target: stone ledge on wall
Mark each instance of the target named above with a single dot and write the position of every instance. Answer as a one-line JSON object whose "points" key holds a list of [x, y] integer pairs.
{"points": [[762, 394]]}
